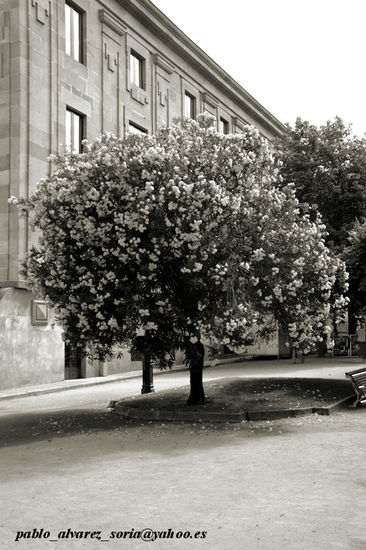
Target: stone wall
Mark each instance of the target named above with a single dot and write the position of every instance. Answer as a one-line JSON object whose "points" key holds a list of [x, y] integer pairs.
{"points": [[29, 354]]}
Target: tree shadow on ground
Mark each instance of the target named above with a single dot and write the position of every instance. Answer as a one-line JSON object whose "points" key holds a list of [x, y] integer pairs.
{"points": [[249, 394], [30, 428], [26, 428], [19, 429]]}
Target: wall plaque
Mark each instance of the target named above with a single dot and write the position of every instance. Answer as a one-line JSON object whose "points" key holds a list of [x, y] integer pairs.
{"points": [[40, 312]]}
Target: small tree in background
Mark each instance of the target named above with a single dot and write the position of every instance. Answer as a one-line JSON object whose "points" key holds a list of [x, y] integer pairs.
{"points": [[166, 241]]}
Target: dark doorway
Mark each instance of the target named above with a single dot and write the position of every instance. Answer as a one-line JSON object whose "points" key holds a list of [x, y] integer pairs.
{"points": [[72, 362]]}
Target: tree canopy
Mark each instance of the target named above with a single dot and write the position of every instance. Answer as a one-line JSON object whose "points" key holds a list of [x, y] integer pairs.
{"points": [[355, 256], [167, 240], [328, 167]]}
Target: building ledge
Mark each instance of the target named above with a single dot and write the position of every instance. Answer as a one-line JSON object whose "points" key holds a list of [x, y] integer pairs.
{"points": [[14, 284]]}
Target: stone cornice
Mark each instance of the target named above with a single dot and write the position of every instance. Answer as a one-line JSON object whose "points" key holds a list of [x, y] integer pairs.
{"points": [[209, 99], [170, 34], [111, 21], [163, 63], [238, 122]]}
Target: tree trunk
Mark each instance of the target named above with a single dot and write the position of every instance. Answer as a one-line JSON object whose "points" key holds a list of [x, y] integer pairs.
{"points": [[195, 354], [147, 375]]}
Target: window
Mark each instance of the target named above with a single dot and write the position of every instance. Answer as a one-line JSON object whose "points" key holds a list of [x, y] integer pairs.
{"points": [[74, 131], [73, 32], [135, 129], [137, 70], [223, 126], [189, 105]]}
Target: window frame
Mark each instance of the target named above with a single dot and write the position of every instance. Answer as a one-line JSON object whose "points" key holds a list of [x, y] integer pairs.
{"points": [[69, 138], [69, 34], [138, 130], [192, 104], [223, 126], [141, 70]]}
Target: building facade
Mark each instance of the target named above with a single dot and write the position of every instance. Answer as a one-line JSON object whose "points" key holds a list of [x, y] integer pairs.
{"points": [[70, 70]]}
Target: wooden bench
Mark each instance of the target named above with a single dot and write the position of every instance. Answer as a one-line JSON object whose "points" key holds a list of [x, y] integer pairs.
{"points": [[358, 380]]}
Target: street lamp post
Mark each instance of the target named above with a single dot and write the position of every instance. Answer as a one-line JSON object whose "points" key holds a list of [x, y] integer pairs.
{"points": [[147, 375]]}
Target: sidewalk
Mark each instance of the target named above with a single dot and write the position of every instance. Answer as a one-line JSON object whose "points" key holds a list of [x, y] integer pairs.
{"points": [[312, 367], [64, 385]]}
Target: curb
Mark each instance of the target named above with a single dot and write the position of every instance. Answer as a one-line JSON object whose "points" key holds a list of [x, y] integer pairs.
{"points": [[190, 416], [336, 406]]}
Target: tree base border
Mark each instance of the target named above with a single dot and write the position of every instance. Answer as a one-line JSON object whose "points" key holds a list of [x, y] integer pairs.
{"points": [[127, 411]]}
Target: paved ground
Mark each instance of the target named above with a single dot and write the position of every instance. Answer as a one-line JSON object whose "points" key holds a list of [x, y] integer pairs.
{"points": [[67, 464]]}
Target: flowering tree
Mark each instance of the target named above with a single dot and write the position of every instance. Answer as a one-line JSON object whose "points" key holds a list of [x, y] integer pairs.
{"points": [[166, 241]]}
